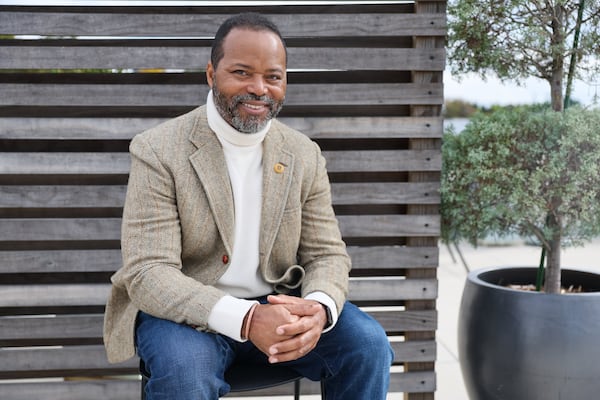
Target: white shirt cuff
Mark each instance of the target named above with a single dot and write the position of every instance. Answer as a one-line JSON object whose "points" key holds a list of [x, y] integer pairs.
{"points": [[324, 299], [227, 316]]}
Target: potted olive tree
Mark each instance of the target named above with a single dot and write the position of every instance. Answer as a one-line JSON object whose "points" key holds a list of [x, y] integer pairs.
{"points": [[533, 172]]}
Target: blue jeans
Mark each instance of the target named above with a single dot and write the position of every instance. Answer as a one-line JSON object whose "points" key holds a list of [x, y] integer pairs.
{"points": [[353, 359]]}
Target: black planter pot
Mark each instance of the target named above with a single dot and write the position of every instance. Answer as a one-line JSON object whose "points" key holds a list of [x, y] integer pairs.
{"points": [[517, 345]]}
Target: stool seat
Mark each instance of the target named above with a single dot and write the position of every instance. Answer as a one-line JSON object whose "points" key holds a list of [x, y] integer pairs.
{"points": [[245, 377]]}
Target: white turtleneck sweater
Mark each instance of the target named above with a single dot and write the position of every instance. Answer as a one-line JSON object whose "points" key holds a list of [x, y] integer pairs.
{"points": [[243, 154]]}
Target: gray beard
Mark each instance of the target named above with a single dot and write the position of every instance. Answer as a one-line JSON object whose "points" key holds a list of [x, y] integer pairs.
{"points": [[248, 124]]}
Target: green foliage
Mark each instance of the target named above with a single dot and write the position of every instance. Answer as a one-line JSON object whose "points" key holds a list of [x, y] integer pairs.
{"points": [[517, 39], [510, 169]]}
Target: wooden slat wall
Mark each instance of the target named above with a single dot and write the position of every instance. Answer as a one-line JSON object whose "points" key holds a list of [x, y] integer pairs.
{"points": [[365, 82]]}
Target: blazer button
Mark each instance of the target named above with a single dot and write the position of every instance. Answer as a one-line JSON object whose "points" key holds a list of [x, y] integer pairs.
{"points": [[225, 259]]}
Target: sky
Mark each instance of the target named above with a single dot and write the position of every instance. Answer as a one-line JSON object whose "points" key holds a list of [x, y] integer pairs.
{"points": [[473, 89]]}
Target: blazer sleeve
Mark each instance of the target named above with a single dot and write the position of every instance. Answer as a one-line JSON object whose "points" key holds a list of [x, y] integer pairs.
{"points": [[322, 252]]}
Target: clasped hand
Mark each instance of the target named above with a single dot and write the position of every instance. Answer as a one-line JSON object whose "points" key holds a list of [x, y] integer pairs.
{"points": [[287, 327]]}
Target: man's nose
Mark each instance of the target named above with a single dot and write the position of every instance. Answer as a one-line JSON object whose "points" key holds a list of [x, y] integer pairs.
{"points": [[257, 85]]}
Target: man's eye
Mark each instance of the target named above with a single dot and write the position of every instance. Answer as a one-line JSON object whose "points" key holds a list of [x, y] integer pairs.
{"points": [[274, 77], [240, 72]]}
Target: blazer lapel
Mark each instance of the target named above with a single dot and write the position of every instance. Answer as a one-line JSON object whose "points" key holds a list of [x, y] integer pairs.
{"points": [[278, 167], [209, 163]]}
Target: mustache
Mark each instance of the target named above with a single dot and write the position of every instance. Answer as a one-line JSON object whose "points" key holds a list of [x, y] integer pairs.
{"points": [[253, 97]]}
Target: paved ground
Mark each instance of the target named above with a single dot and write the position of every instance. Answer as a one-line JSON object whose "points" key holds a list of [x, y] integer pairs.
{"points": [[451, 276]]}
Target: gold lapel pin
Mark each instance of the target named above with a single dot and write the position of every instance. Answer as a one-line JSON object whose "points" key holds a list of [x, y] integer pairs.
{"points": [[279, 168]]}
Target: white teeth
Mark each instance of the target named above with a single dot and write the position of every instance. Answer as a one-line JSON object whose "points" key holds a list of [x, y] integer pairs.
{"points": [[255, 107]]}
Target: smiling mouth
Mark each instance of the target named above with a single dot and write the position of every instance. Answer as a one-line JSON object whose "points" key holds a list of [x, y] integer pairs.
{"points": [[255, 106]]}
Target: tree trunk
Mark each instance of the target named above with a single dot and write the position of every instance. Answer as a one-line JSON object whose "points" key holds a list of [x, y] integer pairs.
{"points": [[558, 62], [552, 281]]}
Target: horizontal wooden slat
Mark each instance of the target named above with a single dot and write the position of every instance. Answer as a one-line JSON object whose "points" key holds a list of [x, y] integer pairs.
{"points": [[193, 58], [415, 350], [65, 261], [59, 261], [118, 163], [406, 320], [92, 389], [386, 193], [393, 257], [64, 295], [192, 95], [94, 196], [76, 359], [30, 229], [52, 229], [126, 128], [62, 196], [32, 328], [392, 288], [413, 382], [120, 389], [389, 225], [383, 160], [35, 330], [64, 163], [205, 25]]}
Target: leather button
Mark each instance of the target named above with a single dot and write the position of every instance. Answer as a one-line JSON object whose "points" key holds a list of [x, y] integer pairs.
{"points": [[225, 258]]}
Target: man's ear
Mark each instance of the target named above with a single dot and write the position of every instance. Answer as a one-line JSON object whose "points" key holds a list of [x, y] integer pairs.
{"points": [[210, 73]]}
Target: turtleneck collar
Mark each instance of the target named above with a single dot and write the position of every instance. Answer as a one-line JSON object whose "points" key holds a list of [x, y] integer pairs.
{"points": [[227, 132]]}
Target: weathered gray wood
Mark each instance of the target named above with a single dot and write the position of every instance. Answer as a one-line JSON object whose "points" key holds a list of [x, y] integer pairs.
{"points": [[118, 163], [130, 389], [49, 261], [52, 229], [392, 288], [393, 257], [336, 44], [75, 128], [415, 350], [92, 389], [41, 295], [64, 163], [74, 358], [193, 95], [389, 225], [205, 25], [126, 128], [93, 294], [193, 58], [31, 330], [383, 160], [395, 321], [385, 193], [50, 327], [93, 196], [62, 196], [413, 382]]}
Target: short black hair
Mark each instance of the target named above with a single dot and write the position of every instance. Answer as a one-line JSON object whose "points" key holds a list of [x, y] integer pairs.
{"points": [[252, 21]]}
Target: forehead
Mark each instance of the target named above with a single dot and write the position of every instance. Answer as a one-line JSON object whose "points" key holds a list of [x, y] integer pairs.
{"points": [[245, 45]]}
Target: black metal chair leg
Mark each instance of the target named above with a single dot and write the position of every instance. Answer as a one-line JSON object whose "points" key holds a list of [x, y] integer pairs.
{"points": [[297, 390]]}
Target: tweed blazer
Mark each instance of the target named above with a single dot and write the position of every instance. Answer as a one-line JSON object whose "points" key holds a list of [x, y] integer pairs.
{"points": [[178, 224]]}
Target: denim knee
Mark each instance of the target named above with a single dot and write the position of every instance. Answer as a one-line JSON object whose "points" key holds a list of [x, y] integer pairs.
{"points": [[181, 362]]}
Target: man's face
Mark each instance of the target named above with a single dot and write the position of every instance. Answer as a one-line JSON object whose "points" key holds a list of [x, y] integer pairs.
{"points": [[249, 82]]}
